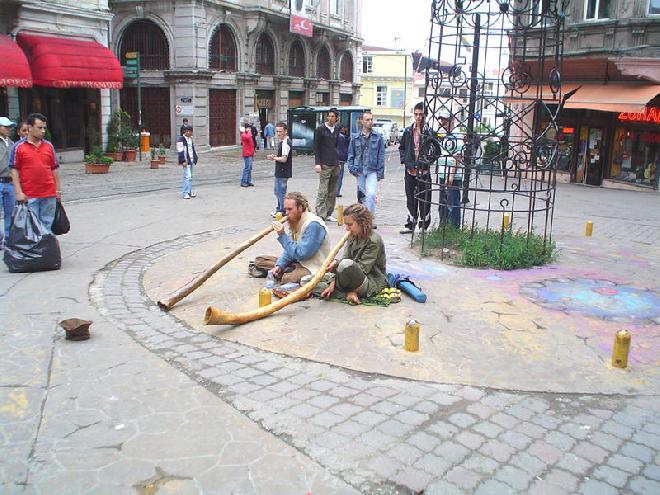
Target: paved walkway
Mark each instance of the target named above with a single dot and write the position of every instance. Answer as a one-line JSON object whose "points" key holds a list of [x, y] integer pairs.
{"points": [[149, 405]]}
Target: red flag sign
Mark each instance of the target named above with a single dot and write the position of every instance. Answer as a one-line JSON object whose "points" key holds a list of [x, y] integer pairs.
{"points": [[301, 25]]}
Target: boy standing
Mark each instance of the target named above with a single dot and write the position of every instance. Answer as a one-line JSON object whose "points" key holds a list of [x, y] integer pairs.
{"points": [[187, 155], [283, 166]]}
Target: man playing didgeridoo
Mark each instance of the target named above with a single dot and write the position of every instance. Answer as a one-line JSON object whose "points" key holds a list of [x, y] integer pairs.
{"points": [[304, 239], [361, 272]]}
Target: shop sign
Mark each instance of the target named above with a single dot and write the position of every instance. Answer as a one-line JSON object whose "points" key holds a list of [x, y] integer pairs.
{"points": [[264, 103], [184, 106], [649, 115]]}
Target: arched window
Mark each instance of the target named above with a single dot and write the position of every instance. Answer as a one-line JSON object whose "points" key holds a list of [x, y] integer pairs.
{"points": [[323, 64], [222, 51], [346, 68], [148, 39], [297, 59], [265, 55]]}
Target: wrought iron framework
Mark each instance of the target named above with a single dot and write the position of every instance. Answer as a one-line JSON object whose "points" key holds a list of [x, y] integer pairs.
{"points": [[497, 61]]}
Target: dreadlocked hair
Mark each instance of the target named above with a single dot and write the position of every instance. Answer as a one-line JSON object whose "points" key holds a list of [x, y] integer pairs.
{"points": [[299, 199], [362, 216]]}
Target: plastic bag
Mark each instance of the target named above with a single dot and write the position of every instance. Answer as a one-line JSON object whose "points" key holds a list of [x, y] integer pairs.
{"points": [[29, 247], [61, 224]]}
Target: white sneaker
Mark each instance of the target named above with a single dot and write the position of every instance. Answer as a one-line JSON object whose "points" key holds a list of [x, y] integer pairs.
{"points": [[186, 196], [331, 219], [193, 195]]}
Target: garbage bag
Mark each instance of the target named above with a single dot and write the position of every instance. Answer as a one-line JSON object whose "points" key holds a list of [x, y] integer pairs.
{"points": [[29, 247], [61, 224]]}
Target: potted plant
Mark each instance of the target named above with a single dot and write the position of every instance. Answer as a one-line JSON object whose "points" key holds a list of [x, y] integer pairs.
{"points": [[130, 146], [155, 162], [96, 162], [162, 154], [114, 136]]}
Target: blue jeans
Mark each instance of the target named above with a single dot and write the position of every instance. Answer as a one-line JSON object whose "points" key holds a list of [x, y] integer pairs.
{"points": [[44, 208], [368, 185], [187, 180], [246, 178], [280, 192], [8, 200], [341, 177]]}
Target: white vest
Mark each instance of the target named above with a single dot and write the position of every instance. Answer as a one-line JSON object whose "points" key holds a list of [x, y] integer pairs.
{"points": [[315, 263]]}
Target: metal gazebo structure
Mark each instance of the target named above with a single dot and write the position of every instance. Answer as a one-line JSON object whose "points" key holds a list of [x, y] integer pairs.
{"points": [[501, 59]]}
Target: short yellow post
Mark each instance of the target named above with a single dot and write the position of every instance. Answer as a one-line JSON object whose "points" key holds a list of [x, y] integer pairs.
{"points": [[264, 297], [621, 349], [278, 216], [507, 221], [340, 214], [589, 228], [411, 336]]}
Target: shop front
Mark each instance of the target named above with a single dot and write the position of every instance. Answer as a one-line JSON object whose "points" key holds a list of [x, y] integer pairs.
{"points": [[636, 148], [264, 105]]}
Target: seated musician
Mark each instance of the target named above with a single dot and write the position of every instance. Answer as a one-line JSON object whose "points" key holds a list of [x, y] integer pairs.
{"points": [[361, 272], [304, 239]]}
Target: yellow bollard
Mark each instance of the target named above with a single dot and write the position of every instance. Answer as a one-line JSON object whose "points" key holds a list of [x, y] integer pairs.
{"points": [[340, 214], [589, 229], [264, 297], [411, 336], [621, 349], [278, 216], [507, 221]]}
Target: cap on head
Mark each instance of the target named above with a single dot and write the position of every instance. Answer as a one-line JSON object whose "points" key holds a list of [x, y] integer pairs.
{"points": [[4, 121], [187, 128]]}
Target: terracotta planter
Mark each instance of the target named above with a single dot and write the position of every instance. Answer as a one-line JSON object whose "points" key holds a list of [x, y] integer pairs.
{"points": [[161, 159], [117, 156], [130, 155], [155, 163], [96, 168]]}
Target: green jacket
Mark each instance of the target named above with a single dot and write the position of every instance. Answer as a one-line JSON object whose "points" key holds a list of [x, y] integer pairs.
{"points": [[369, 255]]}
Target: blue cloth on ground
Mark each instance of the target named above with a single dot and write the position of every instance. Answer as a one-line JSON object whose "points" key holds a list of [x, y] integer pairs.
{"points": [[403, 282]]}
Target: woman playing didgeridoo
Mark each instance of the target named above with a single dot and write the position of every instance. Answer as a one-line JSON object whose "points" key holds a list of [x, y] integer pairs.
{"points": [[361, 273]]}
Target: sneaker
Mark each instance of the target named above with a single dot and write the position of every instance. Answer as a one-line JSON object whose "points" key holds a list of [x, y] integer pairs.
{"points": [[339, 196], [250, 184], [273, 214], [406, 230], [193, 195], [245, 185], [186, 196], [331, 219]]}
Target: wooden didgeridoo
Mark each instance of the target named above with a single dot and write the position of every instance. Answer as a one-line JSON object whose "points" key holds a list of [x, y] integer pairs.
{"points": [[214, 316], [186, 290]]}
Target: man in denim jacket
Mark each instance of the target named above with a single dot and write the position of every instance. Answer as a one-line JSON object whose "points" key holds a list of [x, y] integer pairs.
{"points": [[366, 160]]}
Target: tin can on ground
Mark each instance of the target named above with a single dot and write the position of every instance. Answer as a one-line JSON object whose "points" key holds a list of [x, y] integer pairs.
{"points": [[265, 297], [621, 349], [589, 229], [411, 336]]}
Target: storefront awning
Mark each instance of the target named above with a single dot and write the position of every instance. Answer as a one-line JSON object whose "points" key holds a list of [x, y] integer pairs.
{"points": [[14, 68], [613, 97], [71, 63]]}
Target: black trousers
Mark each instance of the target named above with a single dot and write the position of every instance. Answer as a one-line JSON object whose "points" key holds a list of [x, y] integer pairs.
{"points": [[418, 187]]}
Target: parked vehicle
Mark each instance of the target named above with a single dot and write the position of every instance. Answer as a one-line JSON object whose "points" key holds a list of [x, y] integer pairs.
{"points": [[389, 130]]}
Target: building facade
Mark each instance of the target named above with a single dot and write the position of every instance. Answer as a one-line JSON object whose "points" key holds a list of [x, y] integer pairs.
{"points": [[387, 84], [609, 130], [72, 71], [219, 63]]}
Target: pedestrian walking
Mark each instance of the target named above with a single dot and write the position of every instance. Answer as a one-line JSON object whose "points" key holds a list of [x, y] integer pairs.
{"points": [[185, 123], [342, 154], [327, 165], [35, 171], [21, 131], [366, 161], [417, 179], [247, 144], [269, 136], [283, 166], [187, 155], [6, 186]]}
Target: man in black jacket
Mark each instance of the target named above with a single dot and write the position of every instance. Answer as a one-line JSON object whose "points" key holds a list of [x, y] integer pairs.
{"points": [[417, 178], [327, 165]]}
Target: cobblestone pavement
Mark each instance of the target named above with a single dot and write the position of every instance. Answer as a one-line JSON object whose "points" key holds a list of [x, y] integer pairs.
{"points": [[158, 408], [398, 436]]}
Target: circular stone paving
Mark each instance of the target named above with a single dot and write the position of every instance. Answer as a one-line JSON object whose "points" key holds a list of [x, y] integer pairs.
{"points": [[596, 298]]}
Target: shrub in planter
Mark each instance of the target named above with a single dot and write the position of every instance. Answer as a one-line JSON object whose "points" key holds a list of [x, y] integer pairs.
{"points": [[155, 162], [162, 154], [96, 162]]}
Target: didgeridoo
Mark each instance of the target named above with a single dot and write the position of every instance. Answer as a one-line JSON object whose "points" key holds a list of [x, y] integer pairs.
{"points": [[214, 316], [186, 290]]}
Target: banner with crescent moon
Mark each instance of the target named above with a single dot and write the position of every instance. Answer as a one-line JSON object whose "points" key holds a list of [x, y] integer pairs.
{"points": [[300, 23]]}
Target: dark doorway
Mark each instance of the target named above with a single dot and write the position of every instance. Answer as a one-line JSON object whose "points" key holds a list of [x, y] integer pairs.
{"points": [[155, 112], [222, 117]]}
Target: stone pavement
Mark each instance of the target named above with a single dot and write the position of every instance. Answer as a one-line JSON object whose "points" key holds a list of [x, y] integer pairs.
{"points": [[149, 405]]}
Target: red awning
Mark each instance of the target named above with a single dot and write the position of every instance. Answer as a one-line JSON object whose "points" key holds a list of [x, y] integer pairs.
{"points": [[71, 63], [14, 68]]}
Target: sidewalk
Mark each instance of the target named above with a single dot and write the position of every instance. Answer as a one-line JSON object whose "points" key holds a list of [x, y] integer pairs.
{"points": [[154, 403]]}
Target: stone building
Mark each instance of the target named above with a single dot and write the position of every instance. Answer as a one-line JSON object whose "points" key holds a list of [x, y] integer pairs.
{"points": [[220, 62]]}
